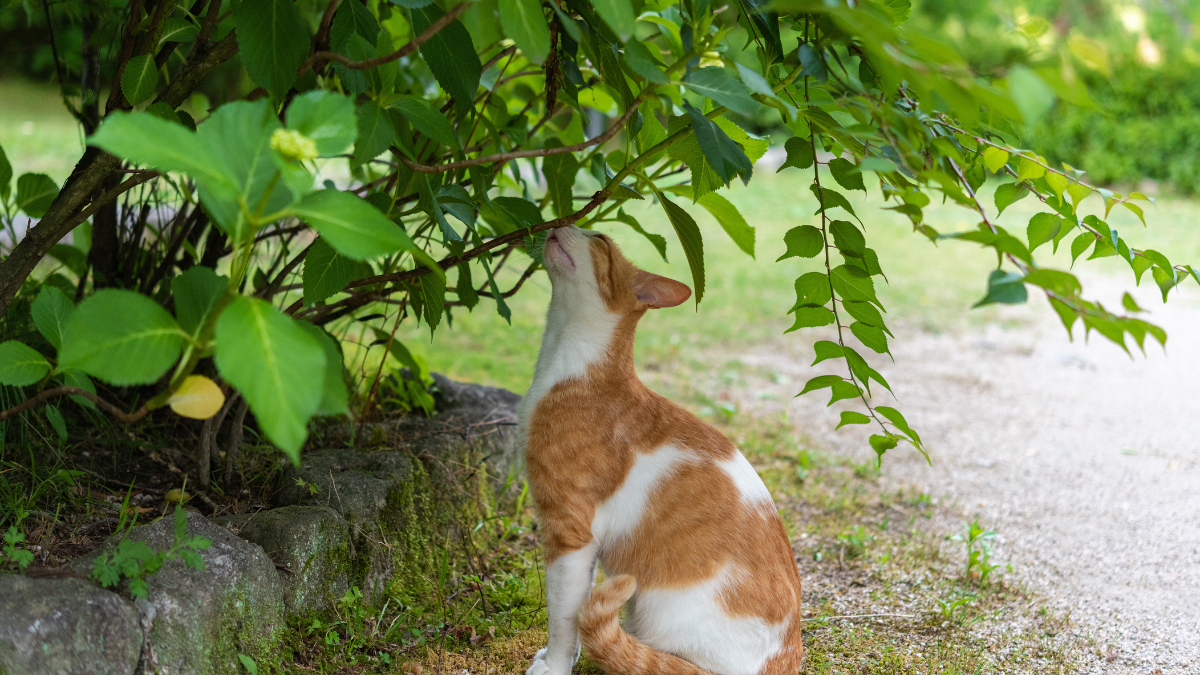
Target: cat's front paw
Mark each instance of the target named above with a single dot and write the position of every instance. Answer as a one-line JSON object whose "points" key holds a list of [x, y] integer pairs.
{"points": [[538, 667]]}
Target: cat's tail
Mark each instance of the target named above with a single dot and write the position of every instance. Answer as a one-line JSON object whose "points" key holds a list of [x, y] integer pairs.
{"points": [[611, 647]]}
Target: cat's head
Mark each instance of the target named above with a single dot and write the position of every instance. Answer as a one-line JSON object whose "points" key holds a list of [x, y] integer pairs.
{"points": [[587, 266]]}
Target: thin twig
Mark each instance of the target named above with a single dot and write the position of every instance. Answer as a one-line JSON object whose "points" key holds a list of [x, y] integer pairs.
{"points": [[407, 49], [128, 418]]}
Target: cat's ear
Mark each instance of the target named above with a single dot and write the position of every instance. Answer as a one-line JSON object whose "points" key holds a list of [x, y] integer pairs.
{"points": [[658, 291]]}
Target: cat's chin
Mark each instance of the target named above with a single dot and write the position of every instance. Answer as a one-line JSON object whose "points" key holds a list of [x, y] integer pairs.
{"points": [[556, 253]]}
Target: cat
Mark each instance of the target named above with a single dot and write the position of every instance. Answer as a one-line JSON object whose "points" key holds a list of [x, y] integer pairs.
{"points": [[686, 530]]}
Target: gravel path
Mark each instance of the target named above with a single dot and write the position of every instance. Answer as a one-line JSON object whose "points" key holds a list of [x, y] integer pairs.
{"points": [[1085, 461]]}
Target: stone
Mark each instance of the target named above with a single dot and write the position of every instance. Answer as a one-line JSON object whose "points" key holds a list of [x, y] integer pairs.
{"points": [[428, 475], [310, 546], [198, 621], [65, 626]]}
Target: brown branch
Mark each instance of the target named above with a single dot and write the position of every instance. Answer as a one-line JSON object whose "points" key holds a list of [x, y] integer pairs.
{"points": [[128, 418], [518, 154], [407, 49]]}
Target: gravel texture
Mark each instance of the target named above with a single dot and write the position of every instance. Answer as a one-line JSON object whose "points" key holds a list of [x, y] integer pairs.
{"points": [[1084, 460]]}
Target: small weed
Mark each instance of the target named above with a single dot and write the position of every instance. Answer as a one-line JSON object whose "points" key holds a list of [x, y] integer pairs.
{"points": [[135, 560], [20, 556], [855, 541], [979, 551], [954, 609]]}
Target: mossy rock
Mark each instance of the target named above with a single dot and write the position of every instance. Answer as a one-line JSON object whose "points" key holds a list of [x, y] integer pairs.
{"points": [[310, 546], [201, 619], [53, 626]]}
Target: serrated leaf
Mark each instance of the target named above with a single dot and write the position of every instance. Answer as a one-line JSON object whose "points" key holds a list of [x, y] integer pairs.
{"points": [[851, 417], [820, 382], [1062, 283], [870, 336], [325, 272], [450, 54], [642, 62], [811, 317], [335, 400], [50, 311], [812, 290], [176, 29], [328, 118], [994, 159], [524, 22], [427, 120], [658, 241], [846, 174], [725, 158], [356, 229], [1081, 244], [826, 349], [273, 41], [865, 312], [799, 154], [1008, 194], [140, 79], [21, 365], [35, 194], [804, 241], [272, 360], [375, 133], [198, 293], [853, 285], [731, 221], [1004, 287], [716, 84], [121, 337], [828, 199], [881, 444], [618, 14], [841, 391], [690, 240], [848, 239], [1043, 227]]}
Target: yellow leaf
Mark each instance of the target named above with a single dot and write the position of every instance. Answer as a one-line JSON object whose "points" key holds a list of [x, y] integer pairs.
{"points": [[176, 496], [198, 398], [995, 159]]}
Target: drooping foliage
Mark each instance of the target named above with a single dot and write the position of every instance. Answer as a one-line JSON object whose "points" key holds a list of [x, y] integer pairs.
{"points": [[392, 154]]}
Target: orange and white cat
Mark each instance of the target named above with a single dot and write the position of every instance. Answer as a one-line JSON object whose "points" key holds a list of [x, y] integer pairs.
{"points": [[686, 530]]}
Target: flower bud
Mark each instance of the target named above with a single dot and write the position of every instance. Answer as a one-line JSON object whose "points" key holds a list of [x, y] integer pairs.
{"points": [[293, 145]]}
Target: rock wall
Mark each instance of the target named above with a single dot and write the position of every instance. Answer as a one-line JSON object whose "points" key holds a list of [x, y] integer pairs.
{"points": [[364, 518]]}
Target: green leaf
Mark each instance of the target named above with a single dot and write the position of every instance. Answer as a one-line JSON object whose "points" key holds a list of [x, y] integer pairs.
{"points": [[272, 360], [731, 221], [524, 22], [1033, 98], [427, 120], [848, 239], [149, 141], [76, 378], [718, 85], [433, 299], [1005, 287], [1081, 244], [560, 171], [273, 41], [354, 228], [658, 241], [811, 317], [198, 293], [1008, 194], [767, 25], [450, 54], [50, 311], [466, 288], [804, 241], [828, 199], [6, 174], [140, 78], [1165, 278], [73, 258], [846, 174], [820, 382], [799, 154], [248, 663], [326, 117], [881, 444], [1042, 228], [843, 390], [691, 241], [375, 133], [827, 350], [813, 64], [812, 290], [325, 272], [994, 159], [1130, 304], [35, 194], [870, 336], [618, 14], [20, 365], [724, 156], [865, 313], [176, 29], [898, 420], [335, 400], [853, 285], [851, 417], [56, 420], [1054, 280], [642, 62], [121, 337]]}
